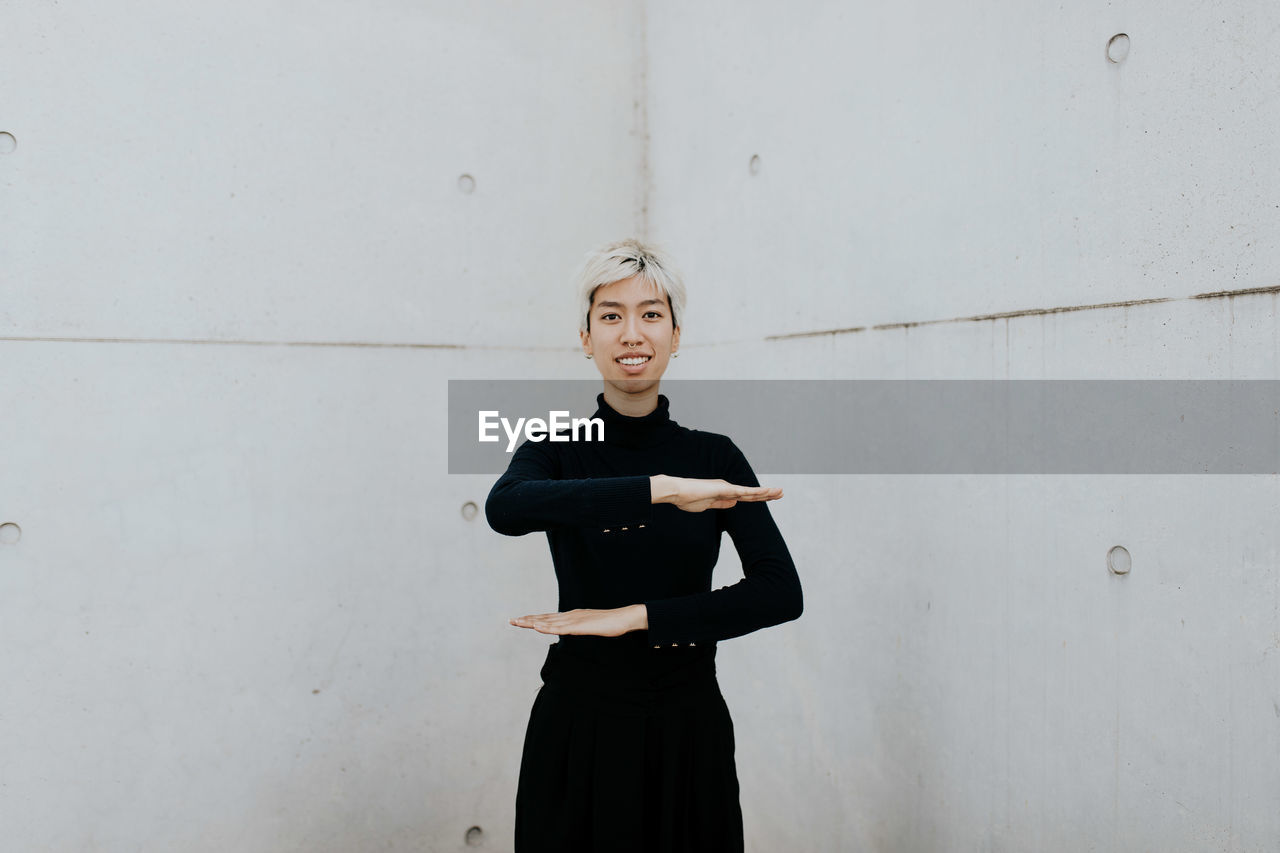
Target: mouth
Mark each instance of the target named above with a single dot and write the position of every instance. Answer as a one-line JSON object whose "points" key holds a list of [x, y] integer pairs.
{"points": [[633, 363]]}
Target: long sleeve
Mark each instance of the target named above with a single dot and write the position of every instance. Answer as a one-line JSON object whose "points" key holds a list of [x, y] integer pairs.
{"points": [[530, 496], [768, 594]]}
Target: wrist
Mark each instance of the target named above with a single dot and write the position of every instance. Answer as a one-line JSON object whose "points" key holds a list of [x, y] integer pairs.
{"points": [[662, 489], [639, 620]]}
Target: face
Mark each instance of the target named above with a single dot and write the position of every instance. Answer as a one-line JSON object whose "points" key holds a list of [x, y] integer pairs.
{"points": [[631, 319]]}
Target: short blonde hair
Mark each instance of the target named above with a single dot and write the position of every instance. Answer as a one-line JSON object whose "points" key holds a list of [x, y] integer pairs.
{"points": [[622, 260]]}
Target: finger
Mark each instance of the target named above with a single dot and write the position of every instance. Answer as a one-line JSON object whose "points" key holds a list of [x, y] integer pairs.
{"points": [[539, 625], [542, 626], [528, 621], [744, 491], [762, 493]]}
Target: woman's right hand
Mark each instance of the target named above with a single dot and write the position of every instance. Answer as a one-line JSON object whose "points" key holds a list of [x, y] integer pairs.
{"points": [[694, 495]]}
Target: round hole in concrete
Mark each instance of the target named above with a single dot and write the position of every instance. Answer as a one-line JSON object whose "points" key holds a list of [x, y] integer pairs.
{"points": [[1119, 561], [753, 166], [475, 836], [469, 510], [8, 142], [10, 533], [466, 183], [1118, 47]]}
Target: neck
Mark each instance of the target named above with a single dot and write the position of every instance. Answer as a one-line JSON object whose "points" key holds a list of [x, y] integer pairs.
{"points": [[633, 405]]}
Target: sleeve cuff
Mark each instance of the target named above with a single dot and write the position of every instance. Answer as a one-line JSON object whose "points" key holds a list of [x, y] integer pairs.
{"points": [[623, 500], [671, 621]]}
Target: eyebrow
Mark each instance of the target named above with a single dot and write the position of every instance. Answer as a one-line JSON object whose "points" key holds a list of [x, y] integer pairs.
{"points": [[639, 304]]}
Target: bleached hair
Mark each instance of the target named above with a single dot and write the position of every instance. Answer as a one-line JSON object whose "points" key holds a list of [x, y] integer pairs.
{"points": [[624, 259]]}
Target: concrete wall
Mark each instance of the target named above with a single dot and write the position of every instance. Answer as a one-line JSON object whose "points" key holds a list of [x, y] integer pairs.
{"points": [[246, 609], [968, 675]]}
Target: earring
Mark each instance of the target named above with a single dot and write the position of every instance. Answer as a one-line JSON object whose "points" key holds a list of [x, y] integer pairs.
{"points": [[588, 355], [675, 354]]}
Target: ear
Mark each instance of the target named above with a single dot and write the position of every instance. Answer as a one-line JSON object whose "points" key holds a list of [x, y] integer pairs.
{"points": [[675, 339], [586, 341]]}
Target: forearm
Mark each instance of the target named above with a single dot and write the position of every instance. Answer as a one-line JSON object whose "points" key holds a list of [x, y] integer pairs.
{"points": [[517, 506], [760, 601]]}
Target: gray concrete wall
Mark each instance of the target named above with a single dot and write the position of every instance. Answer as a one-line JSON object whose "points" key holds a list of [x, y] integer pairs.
{"points": [[245, 611], [245, 608], [968, 675]]}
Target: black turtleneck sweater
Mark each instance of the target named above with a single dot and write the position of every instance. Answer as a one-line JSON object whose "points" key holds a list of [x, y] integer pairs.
{"points": [[612, 547]]}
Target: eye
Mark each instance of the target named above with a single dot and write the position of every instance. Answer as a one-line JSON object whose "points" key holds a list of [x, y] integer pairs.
{"points": [[608, 315], [654, 313]]}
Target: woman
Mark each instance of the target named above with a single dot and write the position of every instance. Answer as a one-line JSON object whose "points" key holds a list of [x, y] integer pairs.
{"points": [[630, 745]]}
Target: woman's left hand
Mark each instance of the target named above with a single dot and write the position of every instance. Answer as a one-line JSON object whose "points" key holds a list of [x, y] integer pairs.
{"points": [[601, 623]]}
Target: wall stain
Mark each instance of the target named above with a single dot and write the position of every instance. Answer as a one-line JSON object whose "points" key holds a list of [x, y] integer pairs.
{"points": [[1218, 294], [253, 343], [1026, 312], [974, 318]]}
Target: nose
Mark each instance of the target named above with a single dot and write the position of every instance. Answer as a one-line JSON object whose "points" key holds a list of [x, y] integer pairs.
{"points": [[631, 332]]}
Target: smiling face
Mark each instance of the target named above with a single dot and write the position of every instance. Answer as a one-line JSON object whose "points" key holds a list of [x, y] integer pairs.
{"points": [[631, 335]]}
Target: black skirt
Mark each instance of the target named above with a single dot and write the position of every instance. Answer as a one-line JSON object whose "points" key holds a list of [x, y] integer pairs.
{"points": [[623, 759]]}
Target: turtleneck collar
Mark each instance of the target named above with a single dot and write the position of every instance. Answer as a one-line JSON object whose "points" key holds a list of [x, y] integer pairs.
{"points": [[644, 431]]}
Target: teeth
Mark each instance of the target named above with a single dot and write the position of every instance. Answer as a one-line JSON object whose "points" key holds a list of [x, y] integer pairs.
{"points": [[639, 359]]}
